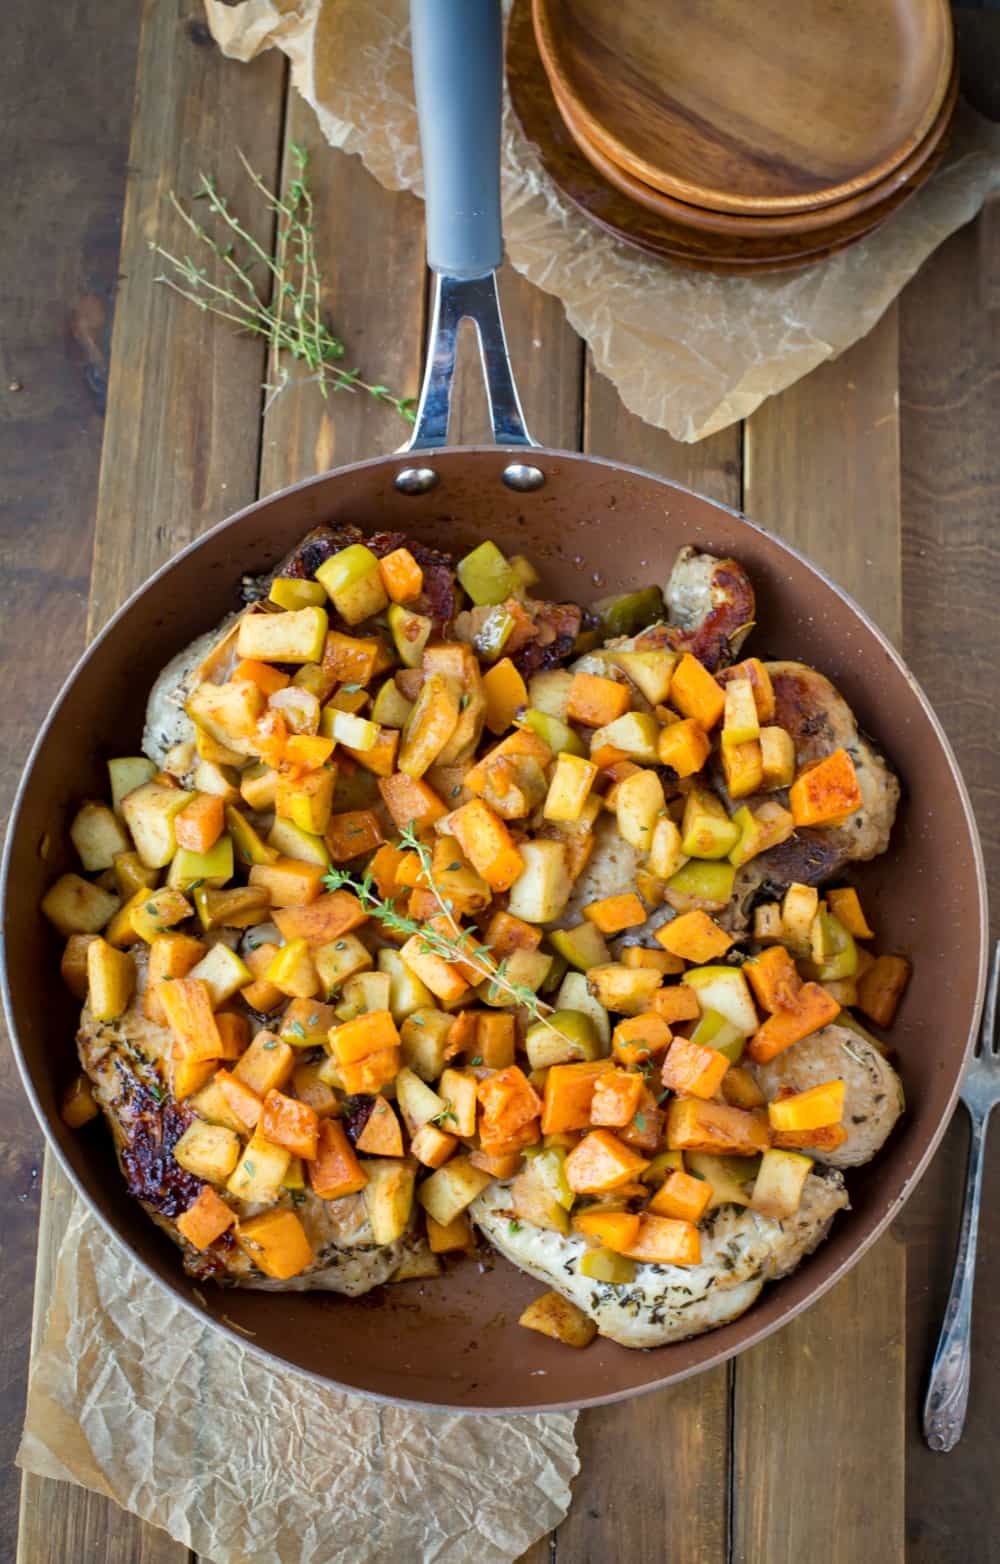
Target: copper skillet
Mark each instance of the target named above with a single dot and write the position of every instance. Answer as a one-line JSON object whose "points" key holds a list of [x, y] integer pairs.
{"points": [[453, 1342]]}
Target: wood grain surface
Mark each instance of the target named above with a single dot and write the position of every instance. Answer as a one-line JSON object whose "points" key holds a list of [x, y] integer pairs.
{"points": [[897, 503]]}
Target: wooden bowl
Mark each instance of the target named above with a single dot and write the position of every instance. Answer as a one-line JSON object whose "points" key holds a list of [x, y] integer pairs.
{"points": [[877, 202], [768, 108], [575, 176]]}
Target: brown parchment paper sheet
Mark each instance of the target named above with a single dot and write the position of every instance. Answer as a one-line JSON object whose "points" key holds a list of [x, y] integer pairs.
{"points": [[688, 352], [131, 1397]]}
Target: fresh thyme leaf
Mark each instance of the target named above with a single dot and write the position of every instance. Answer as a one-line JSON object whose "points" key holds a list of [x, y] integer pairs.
{"points": [[286, 305], [295, 1027], [248, 1169], [640, 1122], [513, 1226], [351, 689], [476, 1059]]}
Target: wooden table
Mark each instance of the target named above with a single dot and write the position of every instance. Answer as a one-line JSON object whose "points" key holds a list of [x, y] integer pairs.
{"points": [[884, 466]]}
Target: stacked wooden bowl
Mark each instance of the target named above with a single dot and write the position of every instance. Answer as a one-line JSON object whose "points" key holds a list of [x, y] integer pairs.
{"points": [[734, 136]]}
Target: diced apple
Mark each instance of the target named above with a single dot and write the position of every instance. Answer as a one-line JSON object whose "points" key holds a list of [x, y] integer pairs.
{"points": [[126, 773], [777, 1192], [257, 1176], [295, 636], [635, 732], [726, 991], [389, 1195], [110, 980], [542, 889], [209, 1151], [639, 805], [149, 813], [451, 1189], [98, 836], [77, 906], [777, 749], [650, 672]]}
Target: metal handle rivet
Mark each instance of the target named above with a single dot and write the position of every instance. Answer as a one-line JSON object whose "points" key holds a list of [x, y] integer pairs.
{"points": [[519, 476], [415, 480]]}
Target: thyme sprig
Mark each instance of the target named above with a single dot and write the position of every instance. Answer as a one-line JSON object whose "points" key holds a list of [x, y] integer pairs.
{"points": [[285, 304], [453, 943]]}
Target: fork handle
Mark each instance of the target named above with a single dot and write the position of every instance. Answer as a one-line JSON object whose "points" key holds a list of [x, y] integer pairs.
{"points": [[948, 1389]]}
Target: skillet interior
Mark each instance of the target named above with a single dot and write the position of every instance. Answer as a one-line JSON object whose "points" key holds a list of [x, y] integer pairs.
{"points": [[594, 527]]}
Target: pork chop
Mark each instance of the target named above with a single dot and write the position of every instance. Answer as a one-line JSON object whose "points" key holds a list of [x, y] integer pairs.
{"points": [[740, 1251]]}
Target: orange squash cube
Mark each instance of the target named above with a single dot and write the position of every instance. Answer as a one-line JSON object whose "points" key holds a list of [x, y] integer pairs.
{"points": [[267, 1064], [522, 742], [242, 1102], [327, 918], [845, 905], [382, 1135], [441, 977], [880, 988], [829, 1137], [740, 1089], [682, 1196], [774, 978], [814, 1008], [366, 1034], [639, 1038], [602, 1162], [714, 1126], [187, 1006], [676, 1003], [199, 824], [505, 934], [373, 1072], [496, 1038], [695, 936], [456, 1235], [234, 1030], [276, 1242], [596, 701], [487, 843], [250, 670], [402, 577], [616, 1098], [813, 1109], [410, 801], [508, 1101], [501, 1145], [335, 1170], [615, 913], [663, 1240], [290, 1123], [695, 693], [568, 1094], [502, 1164], [825, 792], [170, 956], [692, 1069], [505, 693], [350, 835], [290, 881], [205, 1221], [615, 1230], [350, 659], [684, 747]]}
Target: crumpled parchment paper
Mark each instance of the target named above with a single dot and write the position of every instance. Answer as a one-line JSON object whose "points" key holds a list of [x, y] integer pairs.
{"points": [[130, 1396], [688, 351]]}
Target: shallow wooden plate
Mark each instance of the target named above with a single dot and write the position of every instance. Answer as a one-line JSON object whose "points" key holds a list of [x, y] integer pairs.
{"points": [[876, 202], [780, 106], [538, 114]]}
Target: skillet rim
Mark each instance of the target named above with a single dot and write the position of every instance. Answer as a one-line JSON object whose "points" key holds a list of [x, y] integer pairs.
{"points": [[503, 454]]}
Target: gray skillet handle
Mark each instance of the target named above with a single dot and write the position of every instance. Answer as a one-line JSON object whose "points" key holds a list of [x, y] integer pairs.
{"points": [[457, 72]]}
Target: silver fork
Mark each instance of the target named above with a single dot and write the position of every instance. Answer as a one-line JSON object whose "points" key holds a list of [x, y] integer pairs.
{"points": [[948, 1389]]}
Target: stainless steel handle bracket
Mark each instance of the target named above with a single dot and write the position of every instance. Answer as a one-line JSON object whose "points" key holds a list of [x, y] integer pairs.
{"points": [[475, 299]]}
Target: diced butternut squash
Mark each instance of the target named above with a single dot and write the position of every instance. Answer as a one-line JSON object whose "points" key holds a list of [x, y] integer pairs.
{"points": [[505, 934], [695, 936], [829, 1137], [276, 1242], [825, 792], [458, 1235], [714, 1126], [682, 1196], [368, 1034], [614, 1230], [382, 1135], [372, 1073], [496, 1039], [199, 824], [615, 913], [508, 1102], [813, 1109], [335, 1170], [568, 1094], [601, 1162], [289, 1123], [596, 701], [676, 1002], [505, 694], [487, 843], [616, 1098], [639, 1038], [267, 1064], [439, 975], [187, 1006], [684, 747], [402, 577], [774, 978], [695, 693], [555, 1316], [240, 1100], [206, 1220], [234, 1032], [289, 881], [410, 801], [813, 1008], [881, 986], [693, 1069], [740, 1089], [663, 1240], [845, 905]]}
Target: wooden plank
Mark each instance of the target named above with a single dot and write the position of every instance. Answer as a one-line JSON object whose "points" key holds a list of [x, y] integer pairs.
{"points": [[654, 1471], [181, 447], [819, 1426], [63, 174], [180, 450], [378, 309], [821, 470], [950, 368]]}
